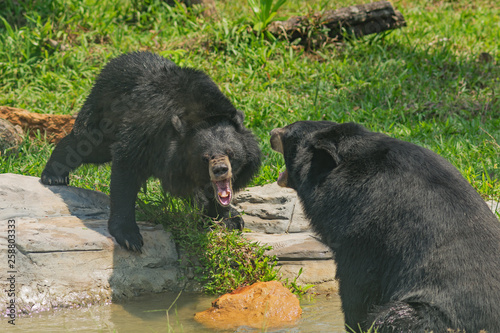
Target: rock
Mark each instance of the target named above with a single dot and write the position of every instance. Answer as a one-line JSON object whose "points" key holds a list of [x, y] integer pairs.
{"points": [[10, 137], [25, 196], [262, 305], [54, 126], [64, 255], [302, 246], [271, 209], [276, 218], [317, 273], [298, 222], [301, 251]]}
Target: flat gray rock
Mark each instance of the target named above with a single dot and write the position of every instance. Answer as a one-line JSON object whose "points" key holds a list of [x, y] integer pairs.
{"points": [[301, 251], [271, 209], [64, 254], [24, 196], [297, 246]]}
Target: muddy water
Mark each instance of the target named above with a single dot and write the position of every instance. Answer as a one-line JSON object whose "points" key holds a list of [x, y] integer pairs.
{"points": [[148, 314]]}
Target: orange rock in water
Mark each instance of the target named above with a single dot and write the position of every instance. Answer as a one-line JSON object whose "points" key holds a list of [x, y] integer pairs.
{"points": [[261, 305]]}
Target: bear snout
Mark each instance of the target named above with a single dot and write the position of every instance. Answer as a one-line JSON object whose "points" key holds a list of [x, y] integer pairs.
{"points": [[220, 168], [276, 143]]}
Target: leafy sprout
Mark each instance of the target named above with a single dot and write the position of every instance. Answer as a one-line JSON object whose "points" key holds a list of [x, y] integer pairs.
{"points": [[264, 11]]}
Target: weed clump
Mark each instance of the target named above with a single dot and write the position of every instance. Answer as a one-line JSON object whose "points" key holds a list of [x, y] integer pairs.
{"points": [[221, 260]]}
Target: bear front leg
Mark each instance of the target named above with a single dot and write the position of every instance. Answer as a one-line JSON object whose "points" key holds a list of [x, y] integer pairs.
{"points": [[210, 206], [229, 215], [125, 183]]}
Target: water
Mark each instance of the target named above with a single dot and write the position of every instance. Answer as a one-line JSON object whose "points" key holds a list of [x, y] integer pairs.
{"points": [[148, 314]]}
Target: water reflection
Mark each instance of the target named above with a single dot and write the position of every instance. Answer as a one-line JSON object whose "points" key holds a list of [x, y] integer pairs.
{"points": [[148, 314]]}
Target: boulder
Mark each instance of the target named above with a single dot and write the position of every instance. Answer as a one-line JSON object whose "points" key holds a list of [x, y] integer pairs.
{"points": [[275, 216], [263, 305], [64, 255], [10, 137], [271, 209], [301, 251]]}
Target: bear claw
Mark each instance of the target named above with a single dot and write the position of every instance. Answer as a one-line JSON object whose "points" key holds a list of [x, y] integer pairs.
{"points": [[54, 180]]}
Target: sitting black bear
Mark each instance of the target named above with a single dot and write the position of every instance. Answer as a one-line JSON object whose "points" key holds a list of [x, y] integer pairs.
{"points": [[152, 118], [417, 249]]}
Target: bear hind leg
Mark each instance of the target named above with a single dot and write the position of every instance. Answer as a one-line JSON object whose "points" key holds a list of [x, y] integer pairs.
{"points": [[406, 317], [69, 154], [63, 160]]}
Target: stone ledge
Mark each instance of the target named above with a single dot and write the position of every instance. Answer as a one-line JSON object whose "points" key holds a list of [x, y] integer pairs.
{"points": [[65, 256], [299, 246]]}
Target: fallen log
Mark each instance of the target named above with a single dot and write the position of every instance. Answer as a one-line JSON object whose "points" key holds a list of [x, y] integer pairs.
{"points": [[54, 127], [358, 20]]}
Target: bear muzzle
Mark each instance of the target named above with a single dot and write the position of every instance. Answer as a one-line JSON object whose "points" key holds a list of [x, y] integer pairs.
{"points": [[220, 171], [277, 145]]}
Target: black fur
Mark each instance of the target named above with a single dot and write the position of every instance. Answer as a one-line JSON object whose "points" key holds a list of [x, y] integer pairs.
{"points": [[153, 118], [417, 248]]}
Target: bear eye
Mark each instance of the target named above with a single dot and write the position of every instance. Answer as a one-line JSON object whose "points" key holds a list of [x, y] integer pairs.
{"points": [[229, 153], [205, 158]]}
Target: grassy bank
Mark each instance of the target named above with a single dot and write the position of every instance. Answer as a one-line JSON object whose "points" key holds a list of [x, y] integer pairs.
{"points": [[424, 83]]}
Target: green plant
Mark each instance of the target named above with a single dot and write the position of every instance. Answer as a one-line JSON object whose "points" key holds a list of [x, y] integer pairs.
{"points": [[223, 260], [264, 12], [231, 261], [296, 288]]}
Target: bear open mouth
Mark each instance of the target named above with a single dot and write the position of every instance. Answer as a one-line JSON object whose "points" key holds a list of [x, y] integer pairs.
{"points": [[223, 191]]}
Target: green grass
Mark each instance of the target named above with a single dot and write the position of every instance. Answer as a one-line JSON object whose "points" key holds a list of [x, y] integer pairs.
{"points": [[423, 83]]}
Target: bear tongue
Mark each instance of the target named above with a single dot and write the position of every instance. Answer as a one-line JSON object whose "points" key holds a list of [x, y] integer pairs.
{"points": [[224, 192]]}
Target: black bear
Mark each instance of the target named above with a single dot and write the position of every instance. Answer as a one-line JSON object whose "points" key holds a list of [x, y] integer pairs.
{"points": [[151, 117], [417, 249]]}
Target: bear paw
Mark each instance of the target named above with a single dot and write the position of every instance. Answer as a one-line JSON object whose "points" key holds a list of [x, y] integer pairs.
{"points": [[48, 179], [234, 223], [128, 238]]}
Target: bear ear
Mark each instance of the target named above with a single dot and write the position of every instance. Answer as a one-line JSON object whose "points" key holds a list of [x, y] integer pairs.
{"points": [[325, 155], [327, 141], [178, 124]]}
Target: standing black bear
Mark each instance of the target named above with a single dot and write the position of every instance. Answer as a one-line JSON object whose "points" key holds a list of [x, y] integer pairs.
{"points": [[417, 249], [153, 118]]}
